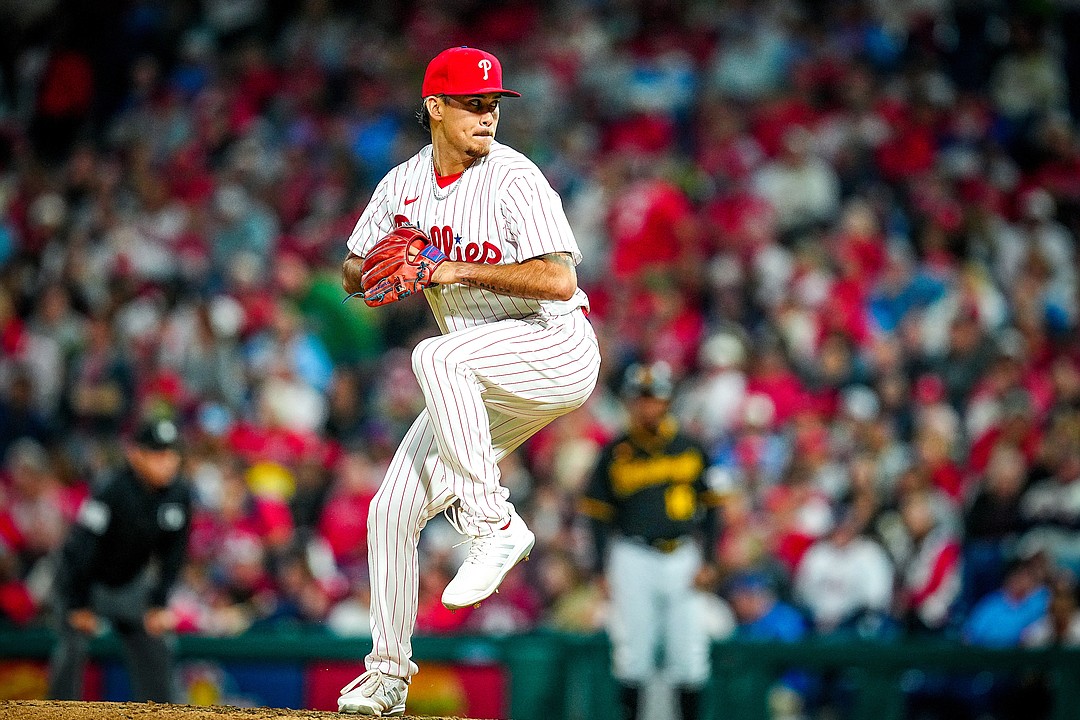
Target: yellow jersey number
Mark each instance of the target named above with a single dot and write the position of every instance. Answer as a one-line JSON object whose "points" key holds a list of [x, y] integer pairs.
{"points": [[680, 502]]}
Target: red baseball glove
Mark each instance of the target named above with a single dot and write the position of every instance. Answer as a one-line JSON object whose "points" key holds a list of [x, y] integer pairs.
{"points": [[399, 265]]}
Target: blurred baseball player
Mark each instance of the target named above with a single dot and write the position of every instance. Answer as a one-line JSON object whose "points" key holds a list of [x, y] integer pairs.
{"points": [[648, 491], [516, 352]]}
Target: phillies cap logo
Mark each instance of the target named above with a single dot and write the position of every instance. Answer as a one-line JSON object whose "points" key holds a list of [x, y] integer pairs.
{"points": [[464, 71]]}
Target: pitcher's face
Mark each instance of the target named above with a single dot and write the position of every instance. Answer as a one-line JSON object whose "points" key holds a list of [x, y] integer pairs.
{"points": [[467, 123]]}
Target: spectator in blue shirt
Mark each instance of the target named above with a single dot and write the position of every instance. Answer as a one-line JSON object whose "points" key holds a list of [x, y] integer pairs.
{"points": [[1000, 619], [763, 616], [760, 614]]}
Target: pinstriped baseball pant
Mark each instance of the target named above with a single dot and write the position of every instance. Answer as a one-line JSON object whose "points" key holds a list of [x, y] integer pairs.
{"points": [[487, 390]]}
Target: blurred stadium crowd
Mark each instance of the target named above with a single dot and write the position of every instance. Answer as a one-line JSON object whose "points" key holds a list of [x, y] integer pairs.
{"points": [[850, 228]]}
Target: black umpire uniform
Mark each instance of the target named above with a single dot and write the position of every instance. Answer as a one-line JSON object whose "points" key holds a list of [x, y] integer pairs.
{"points": [[648, 495], [123, 555]]}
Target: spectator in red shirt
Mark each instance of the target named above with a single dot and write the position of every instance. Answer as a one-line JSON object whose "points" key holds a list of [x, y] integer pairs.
{"points": [[934, 458], [17, 605], [431, 616], [1018, 425], [738, 224], [64, 101], [776, 115], [672, 325], [911, 148], [725, 149], [800, 514], [651, 225], [343, 521], [771, 376], [1060, 172], [929, 566], [241, 516]]}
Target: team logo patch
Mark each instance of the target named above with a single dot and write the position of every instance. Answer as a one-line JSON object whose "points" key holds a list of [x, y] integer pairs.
{"points": [[484, 65], [94, 516], [171, 517]]}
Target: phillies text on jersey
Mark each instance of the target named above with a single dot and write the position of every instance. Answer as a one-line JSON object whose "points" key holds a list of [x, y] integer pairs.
{"points": [[501, 210]]}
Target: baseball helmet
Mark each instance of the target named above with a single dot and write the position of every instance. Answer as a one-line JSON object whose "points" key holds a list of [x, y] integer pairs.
{"points": [[648, 380]]}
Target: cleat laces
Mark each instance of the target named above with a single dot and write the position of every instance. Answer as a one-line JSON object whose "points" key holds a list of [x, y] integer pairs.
{"points": [[485, 549]]}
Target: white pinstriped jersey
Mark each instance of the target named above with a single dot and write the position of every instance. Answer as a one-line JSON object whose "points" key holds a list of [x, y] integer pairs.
{"points": [[503, 368], [501, 210]]}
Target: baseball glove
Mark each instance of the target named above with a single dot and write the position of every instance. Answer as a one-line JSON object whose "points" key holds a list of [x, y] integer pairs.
{"points": [[399, 265]]}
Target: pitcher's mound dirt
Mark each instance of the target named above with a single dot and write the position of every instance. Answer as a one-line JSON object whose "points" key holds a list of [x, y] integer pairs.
{"points": [[65, 710]]}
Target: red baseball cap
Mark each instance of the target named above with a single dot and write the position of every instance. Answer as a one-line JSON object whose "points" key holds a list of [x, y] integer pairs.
{"points": [[464, 71]]}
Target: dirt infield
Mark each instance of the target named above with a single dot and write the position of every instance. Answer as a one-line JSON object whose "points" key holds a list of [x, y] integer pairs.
{"points": [[57, 710]]}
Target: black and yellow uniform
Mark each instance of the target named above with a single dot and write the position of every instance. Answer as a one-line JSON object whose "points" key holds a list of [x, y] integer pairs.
{"points": [[651, 489], [649, 498]]}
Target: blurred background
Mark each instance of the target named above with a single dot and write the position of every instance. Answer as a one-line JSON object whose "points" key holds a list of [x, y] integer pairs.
{"points": [[850, 227]]}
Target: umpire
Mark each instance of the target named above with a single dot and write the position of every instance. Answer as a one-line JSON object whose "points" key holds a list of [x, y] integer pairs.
{"points": [[648, 495], [122, 556]]}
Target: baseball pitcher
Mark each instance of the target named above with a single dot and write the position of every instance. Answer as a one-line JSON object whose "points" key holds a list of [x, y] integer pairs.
{"points": [[475, 227]]}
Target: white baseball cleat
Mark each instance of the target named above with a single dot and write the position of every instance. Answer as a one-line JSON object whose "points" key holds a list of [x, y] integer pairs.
{"points": [[375, 694], [490, 558]]}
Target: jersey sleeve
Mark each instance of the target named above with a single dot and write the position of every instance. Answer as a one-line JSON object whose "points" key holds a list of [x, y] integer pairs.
{"points": [[376, 221], [535, 220], [597, 504], [80, 549], [598, 500], [710, 503], [172, 552]]}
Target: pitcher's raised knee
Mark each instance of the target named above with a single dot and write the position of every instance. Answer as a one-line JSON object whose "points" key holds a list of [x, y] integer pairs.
{"points": [[435, 357]]}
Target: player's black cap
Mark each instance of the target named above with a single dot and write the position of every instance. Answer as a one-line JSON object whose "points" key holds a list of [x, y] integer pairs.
{"points": [[648, 380], [751, 581], [157, 434]]}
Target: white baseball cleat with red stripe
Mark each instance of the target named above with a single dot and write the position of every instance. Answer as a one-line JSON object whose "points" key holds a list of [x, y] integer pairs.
{"points": [[374, 694], [490, 558]]}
